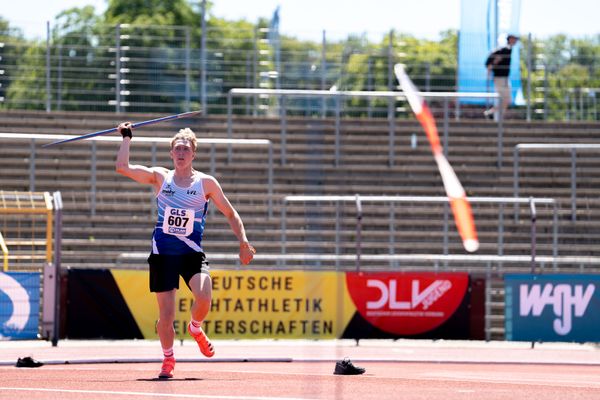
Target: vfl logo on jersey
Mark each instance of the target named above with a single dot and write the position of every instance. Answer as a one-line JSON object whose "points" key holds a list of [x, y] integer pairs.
{"points": [[168, 192], [564, 299], [192, 192]]}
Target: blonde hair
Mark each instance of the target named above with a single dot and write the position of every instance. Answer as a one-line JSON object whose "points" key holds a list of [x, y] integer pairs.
{"points": [[185, 134]]}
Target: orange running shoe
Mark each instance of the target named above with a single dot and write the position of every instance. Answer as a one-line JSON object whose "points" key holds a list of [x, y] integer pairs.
{"points": [[168, 366], [205, 345]]}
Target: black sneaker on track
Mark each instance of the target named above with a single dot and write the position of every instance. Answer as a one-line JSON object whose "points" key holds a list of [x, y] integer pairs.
{"points": [[345, 367], [28, 362]]}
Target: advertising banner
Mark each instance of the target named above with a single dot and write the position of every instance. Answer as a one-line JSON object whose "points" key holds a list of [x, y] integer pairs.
{"points": [[96, 309], [19, 305], [257, 304], [422, 304], [278, 304], [251, 304], [551, 308]]}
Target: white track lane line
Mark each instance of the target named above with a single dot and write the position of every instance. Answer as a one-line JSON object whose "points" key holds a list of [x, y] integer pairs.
{"points": [[148, 394], [584, 381]]}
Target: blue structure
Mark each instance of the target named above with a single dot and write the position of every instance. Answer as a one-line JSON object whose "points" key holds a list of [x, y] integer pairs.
{"points": [[552, 308], [484, 25], [19, 305]]}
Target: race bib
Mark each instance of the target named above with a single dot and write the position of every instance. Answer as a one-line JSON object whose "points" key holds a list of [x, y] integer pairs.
{"points": [[178, 221]]}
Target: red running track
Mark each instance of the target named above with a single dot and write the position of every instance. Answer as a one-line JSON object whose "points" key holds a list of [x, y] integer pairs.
{"points": [[302, 380], [462, 371]]}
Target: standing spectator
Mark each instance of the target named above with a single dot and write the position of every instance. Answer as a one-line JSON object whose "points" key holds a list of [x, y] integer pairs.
{"points": [[498, 64]]}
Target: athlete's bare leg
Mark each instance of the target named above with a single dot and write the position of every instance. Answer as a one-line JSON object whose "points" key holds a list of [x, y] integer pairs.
{"points": [[201, 286], [166, 311]]}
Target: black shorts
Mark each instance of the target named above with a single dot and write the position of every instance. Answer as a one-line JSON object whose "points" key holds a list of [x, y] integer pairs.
{"points": [[165, 270]]}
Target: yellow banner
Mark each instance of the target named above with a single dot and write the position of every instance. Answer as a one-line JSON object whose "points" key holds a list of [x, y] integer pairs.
{"points": [[252, 304]]}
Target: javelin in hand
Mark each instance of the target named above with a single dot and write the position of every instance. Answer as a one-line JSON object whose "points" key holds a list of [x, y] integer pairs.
{"points": [[135, 125]]}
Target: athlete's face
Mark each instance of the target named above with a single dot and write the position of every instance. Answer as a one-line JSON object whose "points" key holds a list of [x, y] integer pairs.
{"points": [[182, 153]]}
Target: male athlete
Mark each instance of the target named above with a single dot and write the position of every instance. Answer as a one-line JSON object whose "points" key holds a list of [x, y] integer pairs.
{"points": [[182, 195]]}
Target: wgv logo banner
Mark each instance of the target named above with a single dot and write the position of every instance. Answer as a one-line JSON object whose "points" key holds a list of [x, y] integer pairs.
{"points": [[552, 307]]}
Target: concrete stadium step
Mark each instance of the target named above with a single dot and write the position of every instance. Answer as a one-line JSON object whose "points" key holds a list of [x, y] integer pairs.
{"points": [[310, 168]]}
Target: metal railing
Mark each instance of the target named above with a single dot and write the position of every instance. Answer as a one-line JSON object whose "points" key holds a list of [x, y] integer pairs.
{"points": [[115, 68], [436, 262], [21, 212], [36, 138], [358, 200], [582, 104], [4, 249], [572, 148], [338, 96]]}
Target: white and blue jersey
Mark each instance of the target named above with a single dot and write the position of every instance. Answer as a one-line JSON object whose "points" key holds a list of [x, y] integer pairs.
{"points": [[181, 217]]}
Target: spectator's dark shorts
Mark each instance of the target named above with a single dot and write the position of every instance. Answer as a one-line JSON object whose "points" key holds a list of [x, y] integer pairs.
{"points": [[165, 270]]}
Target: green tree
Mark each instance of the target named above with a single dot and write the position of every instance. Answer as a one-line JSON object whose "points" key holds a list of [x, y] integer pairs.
{"points": [[152, 60], [565, 71], [81, 61], [28, 90], [151, 12], [12, 49]]}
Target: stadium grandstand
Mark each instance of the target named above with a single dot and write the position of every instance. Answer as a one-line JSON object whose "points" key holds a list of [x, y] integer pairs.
{"points": [[323, 159]]}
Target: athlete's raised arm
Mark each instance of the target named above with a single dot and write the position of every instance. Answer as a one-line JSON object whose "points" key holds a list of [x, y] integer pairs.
{"points": [[146, 175]]}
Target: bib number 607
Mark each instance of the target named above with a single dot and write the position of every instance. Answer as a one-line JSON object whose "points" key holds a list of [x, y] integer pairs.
{"points": [[177, 221]]}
